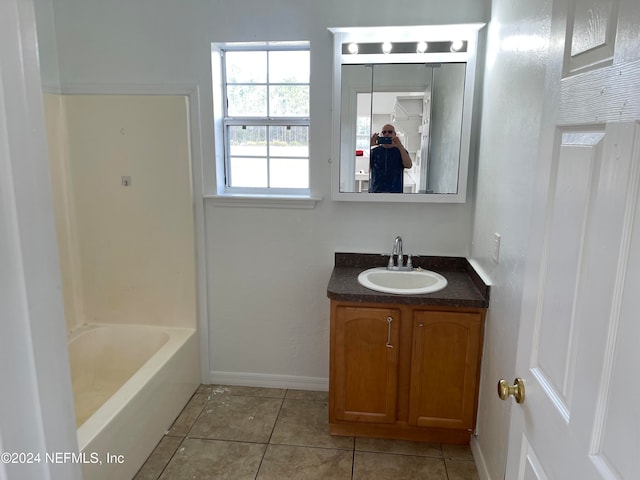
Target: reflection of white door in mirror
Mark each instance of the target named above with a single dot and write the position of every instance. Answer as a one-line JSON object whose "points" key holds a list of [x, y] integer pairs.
{"points": [[427, 97]]}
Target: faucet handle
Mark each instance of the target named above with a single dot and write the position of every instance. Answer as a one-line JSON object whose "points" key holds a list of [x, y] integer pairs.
{"points": [[390, 263], [409, 263]]}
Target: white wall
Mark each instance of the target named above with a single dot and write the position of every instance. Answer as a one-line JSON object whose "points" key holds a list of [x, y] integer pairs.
{"points": [[513, 82], [267, 269]]}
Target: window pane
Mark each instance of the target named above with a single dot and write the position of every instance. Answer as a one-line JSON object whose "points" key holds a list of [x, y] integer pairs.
{"points": [[247, 101], [265, 86], [289, 173], [289, 67], [246, 67], [247, 141], [289, 141], [363, 132], [289, 101], [248, 172]]}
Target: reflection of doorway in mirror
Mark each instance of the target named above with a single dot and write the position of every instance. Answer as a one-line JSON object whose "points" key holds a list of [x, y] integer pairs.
{"points": [[406, 112], [422, 155], [407, 117], [363, 141]]}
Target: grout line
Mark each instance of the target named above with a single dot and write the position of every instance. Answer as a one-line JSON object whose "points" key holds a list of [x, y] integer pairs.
{"points": [[353, 459], [204, 406], [184, 437], [166, 434], [252, 442], [170, 458], [317, 447], [403, 454], [271, 435], [446, 470]]}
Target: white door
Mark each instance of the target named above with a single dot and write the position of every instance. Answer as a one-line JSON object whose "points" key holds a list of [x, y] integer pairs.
{"points": [[579, 340]]}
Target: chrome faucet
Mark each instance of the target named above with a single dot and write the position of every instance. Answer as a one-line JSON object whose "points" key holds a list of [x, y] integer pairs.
{"points": [[397, 250]]}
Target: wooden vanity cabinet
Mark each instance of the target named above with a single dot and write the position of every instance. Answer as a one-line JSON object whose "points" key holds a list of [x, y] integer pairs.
{"points": [[404, 372]]}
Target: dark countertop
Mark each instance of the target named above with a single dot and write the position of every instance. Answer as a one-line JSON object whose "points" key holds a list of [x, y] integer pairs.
{"points": [[464, 287]]}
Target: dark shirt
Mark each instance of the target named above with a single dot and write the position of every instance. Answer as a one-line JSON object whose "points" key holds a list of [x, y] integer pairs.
{"points": [[385, 170]]}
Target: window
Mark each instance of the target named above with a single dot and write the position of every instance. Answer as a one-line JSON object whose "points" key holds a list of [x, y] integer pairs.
{"points": [[266, 119]]}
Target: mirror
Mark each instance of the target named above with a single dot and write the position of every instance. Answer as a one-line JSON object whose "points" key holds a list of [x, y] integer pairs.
{"points": [[384, 76], [424, 102]]}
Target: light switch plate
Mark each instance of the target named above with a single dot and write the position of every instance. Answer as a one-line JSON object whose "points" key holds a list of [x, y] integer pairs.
{"points": [[495, 251]]}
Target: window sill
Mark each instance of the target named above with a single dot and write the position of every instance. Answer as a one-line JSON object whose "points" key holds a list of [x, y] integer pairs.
{"points": [[263, 201]]}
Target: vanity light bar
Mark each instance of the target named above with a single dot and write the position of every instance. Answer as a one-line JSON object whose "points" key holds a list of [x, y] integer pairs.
{"points": [[353, 48]]}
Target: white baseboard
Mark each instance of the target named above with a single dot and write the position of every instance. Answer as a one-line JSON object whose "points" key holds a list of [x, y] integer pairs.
{"points": [[270, 381], [481, 464]]}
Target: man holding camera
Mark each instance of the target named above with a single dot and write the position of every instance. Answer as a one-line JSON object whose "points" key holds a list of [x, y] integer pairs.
{"points": [[387, 162]]}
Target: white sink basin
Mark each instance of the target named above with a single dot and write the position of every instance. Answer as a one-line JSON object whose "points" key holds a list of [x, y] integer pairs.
{"points": [[409, 282]]}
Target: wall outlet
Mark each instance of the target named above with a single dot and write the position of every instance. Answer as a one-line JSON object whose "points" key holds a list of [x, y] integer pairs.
{"points": [[495, 251]]}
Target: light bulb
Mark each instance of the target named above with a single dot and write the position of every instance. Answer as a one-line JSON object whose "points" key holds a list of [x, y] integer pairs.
{"points": [[386, 47], [456, 45], [353, 48], [421, 47]]}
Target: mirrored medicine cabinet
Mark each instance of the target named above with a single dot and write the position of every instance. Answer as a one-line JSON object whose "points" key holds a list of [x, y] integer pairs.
{"points": [[421, 81]]}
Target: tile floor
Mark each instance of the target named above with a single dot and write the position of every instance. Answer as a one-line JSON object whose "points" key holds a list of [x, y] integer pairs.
{"points": [[239, 433]]}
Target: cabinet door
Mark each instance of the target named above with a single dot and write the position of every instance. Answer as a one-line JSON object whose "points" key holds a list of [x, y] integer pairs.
{"points": [[444, 369], [365, 364]]}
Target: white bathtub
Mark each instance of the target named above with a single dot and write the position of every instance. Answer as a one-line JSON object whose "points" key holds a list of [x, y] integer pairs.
{"points": [[129, 384]]}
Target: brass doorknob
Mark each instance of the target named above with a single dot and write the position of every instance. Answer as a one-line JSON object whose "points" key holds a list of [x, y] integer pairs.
{"points": [[517, 390]]}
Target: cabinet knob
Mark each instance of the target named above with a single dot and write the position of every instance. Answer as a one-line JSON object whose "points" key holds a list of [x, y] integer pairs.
{"points": [[517, 390]]}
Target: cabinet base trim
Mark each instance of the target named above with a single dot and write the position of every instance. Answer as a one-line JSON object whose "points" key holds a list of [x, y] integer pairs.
{"points": [[399, 433]]}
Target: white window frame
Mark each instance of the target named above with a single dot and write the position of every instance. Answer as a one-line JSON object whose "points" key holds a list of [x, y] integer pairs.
{"points": [[222, 121]]}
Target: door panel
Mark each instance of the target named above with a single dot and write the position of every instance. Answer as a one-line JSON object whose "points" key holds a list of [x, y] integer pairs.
{"points": [[574, 169], [618, 416], [530, 467], [583, 302], [591, 29], [577, 348]]}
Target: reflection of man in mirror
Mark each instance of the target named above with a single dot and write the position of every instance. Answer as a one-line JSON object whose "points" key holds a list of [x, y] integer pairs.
{"points": [[387, 162]]}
